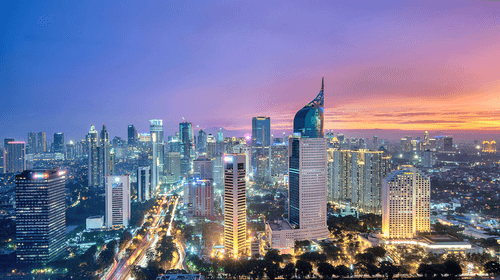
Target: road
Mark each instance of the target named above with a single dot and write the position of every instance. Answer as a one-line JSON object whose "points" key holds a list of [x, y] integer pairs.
{"points": [[122, 269]]}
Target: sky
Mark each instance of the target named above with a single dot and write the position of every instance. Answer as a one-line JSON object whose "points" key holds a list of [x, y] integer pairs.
{"points": [[390, 66]]}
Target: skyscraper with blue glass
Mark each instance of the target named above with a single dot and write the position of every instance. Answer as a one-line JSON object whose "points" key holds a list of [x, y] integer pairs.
{"points": [[308, 172]]}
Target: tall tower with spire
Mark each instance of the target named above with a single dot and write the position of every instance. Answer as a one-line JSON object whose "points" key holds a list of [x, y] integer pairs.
{"points": [[308, 172]]}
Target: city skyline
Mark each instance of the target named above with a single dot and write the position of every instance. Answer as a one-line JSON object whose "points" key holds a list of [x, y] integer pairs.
{"points": [[387, 66]]}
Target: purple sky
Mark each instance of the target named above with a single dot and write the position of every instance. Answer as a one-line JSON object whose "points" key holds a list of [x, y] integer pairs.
{"points": [[410, 65]]}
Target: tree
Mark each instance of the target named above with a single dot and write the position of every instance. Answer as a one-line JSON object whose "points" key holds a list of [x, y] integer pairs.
{"points": [[452, 268], [425, 270], [377, 251], [388, 269], [289, 271], [325, 270], [365, 258], [166, 249], [273, 256], [126, 237], [273, 270], [304, 268], [342, 271], [492, 268], [313, 257]]}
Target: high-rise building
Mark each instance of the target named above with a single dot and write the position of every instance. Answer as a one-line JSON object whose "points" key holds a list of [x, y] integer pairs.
{"points": [[143, 183], [219, 146], [218, 170], [173, 165], [104, 156], [308, 172], [2, 160], [448, 143], [279, 159], [235, 216], [117, 201], [202, 194], [211, 146], [428, 159], [59, 143], [40, 215], [132, 135], [42, 143], [355, 178], [187, 148], [15, 157], [93, 155], [405, 203], [261, 144], [31, 148], [202, 168], [70, 150], [157, 137], [202, 141]]}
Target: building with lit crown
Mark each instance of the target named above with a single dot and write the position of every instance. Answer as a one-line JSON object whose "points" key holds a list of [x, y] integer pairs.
{"points": [[308, 172], [405, 203], [40, 215], [117, 201], [235, 208]]}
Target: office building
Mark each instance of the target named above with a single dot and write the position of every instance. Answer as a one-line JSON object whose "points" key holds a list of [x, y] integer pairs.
{"points": [[235, 216], [59, 143], [201, 198], [2, 160], [40, 216], [355, 178], [144, 183], [489, 147], [211, 146], [173, 165], [218, 170], [32, 146], [157, 138], [202, 168], [70, 150], [308, 172], [104, 156], [15, 157], [131, 135], [201, 145], [117, 201], [93, 156], [187, 148], [429, 159], [405, 204], [42, 143], [448, 143], [261, 143]]}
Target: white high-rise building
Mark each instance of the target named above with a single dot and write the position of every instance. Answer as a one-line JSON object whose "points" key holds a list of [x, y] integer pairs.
{"points": [[157, 138], [235, 207], [406, 197], [308, 172], [117, 201]]}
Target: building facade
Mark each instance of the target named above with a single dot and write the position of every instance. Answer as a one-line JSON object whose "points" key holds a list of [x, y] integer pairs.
{"points": [[405, 203], [143, 183], [15, 157], [40, 216], [117, 201], [235, 208], [93, 156]]}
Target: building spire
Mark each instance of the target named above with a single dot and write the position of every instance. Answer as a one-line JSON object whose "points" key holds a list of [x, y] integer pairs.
{"points": [[320, 98], [323, 83]]}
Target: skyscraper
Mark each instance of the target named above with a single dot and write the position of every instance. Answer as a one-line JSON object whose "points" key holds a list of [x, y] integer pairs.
{"points": [[261, 145], [235, 219], [187, 147], [2, 160], [202, 141], [405, 203], [202, 194], [211, 148], [40, 215], [117, 201], [59, 143], [31, 148], [448, 143], [42, 143], [307, 171], [93, 155], [15, 157], [202, 168], [355, 178], [173, 165], [143, 183], [104, 156], [157, 137], [132, 135]]}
